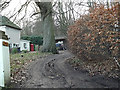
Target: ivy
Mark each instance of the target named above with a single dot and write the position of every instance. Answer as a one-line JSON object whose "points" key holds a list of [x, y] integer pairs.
{"points": [[38, 40]]}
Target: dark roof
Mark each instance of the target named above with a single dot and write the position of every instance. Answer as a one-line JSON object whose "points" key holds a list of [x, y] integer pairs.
{"points": [[6, 22], [60, 38]]}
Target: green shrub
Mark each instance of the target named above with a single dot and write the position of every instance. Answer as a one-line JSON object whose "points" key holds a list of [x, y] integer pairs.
{"points": [[14, 50], [24, 51], [38, 40]]}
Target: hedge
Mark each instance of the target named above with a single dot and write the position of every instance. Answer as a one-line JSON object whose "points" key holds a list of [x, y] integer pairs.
{"points": [[94, 36]]}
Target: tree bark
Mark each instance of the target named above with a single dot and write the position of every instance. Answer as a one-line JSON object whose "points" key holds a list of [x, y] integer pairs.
{"points": [[48, 27]]}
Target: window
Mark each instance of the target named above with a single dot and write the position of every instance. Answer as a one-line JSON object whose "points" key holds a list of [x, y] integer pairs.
{"points": [[14, 45], [25, 45]]}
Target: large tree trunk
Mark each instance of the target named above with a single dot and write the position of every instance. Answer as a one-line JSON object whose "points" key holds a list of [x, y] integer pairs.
{"points": [[49, 38], [48, 26]]}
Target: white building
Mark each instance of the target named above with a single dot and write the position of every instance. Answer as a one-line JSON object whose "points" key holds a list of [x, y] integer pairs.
{"points": [[11, 30], [24, 45]]}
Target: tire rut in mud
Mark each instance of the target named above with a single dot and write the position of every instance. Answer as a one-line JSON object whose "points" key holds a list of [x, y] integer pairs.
{"points": [[51, 71]]}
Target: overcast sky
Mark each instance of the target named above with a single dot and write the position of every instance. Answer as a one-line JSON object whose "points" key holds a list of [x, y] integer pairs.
{"points": [[15, 5]]}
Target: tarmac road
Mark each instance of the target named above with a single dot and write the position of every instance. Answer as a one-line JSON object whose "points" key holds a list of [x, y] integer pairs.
{"points": [[54, 72]]}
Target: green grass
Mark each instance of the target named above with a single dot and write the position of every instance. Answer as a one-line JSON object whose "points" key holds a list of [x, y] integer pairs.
{"points": [[27, 56]]}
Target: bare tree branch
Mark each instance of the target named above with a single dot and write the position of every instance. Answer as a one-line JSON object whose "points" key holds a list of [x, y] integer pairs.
{"points": [[4, 4], [24, 6]]}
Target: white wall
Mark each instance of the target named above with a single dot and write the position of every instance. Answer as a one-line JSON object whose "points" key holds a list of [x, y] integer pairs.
{"points": [[2, 28], [12, 33], [22, 45]]}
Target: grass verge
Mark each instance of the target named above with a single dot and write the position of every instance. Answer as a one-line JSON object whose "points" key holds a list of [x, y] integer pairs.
{"points": [[18, 63]]}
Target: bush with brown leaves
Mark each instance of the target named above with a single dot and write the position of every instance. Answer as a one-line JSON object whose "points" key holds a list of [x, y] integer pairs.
{"points": [[94, 36]]}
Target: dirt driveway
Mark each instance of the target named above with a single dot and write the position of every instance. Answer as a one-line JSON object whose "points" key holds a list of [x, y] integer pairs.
{"points": [[54, 72]]}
